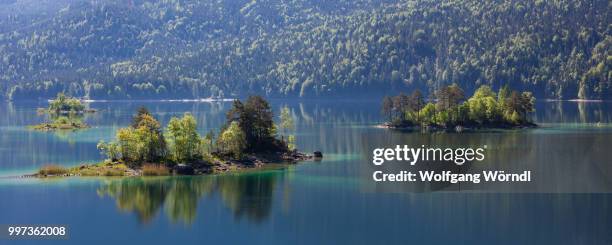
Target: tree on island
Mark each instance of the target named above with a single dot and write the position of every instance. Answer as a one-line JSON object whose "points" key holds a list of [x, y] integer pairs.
{"points": [[141, 142], [249, 129], [255, 118], [519, 105], [63, 113], [387, 108], [64, 105], [233, 140], [484, 109], [449, 97], [183, 138]]}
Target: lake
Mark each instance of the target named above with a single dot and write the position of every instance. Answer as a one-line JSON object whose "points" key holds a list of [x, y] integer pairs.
{"points": [[330, 201]]}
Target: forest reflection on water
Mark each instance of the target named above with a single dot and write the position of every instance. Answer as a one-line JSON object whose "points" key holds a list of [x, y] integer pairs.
{"points": [[247, 195]]}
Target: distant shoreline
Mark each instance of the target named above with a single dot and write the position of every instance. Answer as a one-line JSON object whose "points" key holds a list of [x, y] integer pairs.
{"points": [[457, 128], [159, 100], [576, 100]]}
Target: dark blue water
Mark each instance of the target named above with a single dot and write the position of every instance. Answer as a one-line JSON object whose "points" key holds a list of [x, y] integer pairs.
{"points": [[328, 202]]}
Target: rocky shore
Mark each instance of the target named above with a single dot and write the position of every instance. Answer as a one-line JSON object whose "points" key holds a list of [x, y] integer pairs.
{"points": [[253, 161]]}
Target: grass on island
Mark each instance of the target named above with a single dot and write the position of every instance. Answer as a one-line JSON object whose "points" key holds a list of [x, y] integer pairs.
{"points": [[61, 123], [100, 169], [103, 169], [155, 170], [53, 170]]}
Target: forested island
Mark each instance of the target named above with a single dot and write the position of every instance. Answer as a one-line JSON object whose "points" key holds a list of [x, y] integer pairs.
{"points": [[64, 113], [111, 49], [451, 110], [247, 140]]}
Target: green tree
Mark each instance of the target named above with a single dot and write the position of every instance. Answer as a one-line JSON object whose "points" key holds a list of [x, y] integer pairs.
{"points": [[483, 109], [150, 131], [111, 150], [64, 105], [233, 140], [141, 142], [183, 138], [57, 105], [255, 119], [131, 146], [484, 91], [142, 111], [483, 106], [502, 95], [206, 143], [527, 104], [520, 104], [428, 114]]}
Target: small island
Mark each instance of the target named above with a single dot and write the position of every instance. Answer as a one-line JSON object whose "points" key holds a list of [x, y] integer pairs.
{"points": [[65, 113], [451, 111], [61, 123], [247, 140]]}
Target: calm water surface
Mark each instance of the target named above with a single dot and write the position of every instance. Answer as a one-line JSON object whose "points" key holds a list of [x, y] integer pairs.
{"points": [[328, 202]]}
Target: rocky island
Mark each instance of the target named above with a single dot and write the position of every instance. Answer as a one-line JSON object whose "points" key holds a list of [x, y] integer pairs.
{"points": [[450, 111], [247, 140]]}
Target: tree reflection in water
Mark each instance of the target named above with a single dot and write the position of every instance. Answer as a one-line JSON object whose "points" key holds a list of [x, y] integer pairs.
{"points": [[245, 194], [248, 195]]}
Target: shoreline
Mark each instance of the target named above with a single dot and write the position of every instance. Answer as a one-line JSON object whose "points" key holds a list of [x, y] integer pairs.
{"points": [[457, 128], [158, 100], [577, 100], [49, 127], [118, 169]]}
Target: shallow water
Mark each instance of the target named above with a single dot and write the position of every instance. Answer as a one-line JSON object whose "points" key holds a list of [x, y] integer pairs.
{"points": [[328, 202]]}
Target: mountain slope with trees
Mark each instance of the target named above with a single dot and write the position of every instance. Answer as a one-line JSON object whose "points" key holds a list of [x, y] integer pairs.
{"points": [[110, 49]]}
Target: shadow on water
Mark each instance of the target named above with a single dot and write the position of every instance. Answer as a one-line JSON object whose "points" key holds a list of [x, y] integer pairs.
{"points": [[246, 195]]}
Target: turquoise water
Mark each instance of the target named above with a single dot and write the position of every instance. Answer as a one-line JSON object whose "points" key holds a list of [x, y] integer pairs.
{"points": [[328, 202]]}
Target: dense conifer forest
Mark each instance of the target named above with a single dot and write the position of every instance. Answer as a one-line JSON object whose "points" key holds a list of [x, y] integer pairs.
{"points": [[111, 49]]}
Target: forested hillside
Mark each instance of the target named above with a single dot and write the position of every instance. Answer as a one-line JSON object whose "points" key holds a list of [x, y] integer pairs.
{"points": [[111, 49]]}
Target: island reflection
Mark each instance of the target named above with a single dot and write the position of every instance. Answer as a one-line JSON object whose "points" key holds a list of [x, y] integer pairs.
{"points": [[247, 195]]}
